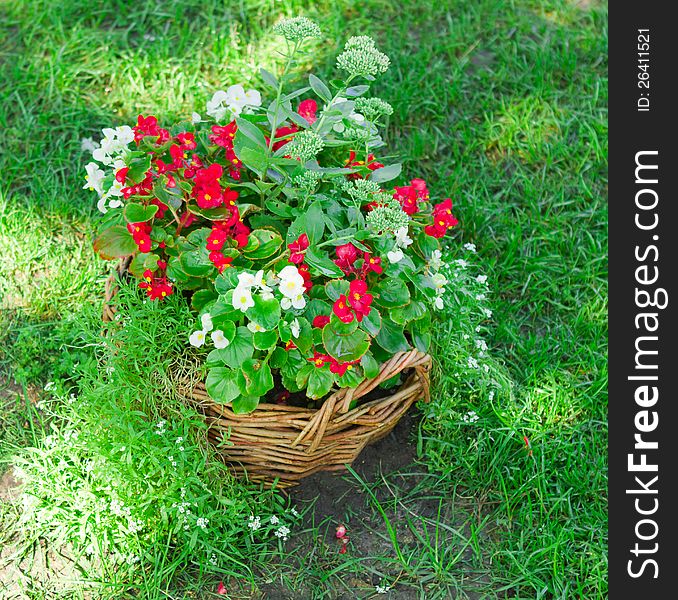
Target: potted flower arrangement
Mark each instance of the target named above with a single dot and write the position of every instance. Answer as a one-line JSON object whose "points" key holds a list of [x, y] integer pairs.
{"points": [[312, 276]]}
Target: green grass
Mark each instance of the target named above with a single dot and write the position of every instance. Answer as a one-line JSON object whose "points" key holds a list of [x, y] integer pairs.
{"points": [[501, 106]]}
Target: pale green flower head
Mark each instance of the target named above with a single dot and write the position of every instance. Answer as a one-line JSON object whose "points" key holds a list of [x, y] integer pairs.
{"points": [[365, 191], [307, 181], [305, 146], [387, 218], [297, 29], [362, 58], [373, 108]]}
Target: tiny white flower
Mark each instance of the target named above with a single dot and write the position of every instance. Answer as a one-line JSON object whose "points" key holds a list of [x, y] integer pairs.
{"points": [[438, 304], [197, 338], [219, 339], [242, 298], [49, 386], [255, 327], [206, 321], [481, 278], [274, 520], [471, 247], [295, 327], [439, 280], [462, 263], [196, 118], [395, 256]]}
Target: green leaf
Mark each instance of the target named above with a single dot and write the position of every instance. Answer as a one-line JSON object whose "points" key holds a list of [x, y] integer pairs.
{"points": [[369, 365], [258, 377], [268, 78], [410, 312], [317, 307], [245, 404], [322, 265], [138, 213], [196, 263], [315, 222], [391, 292], [115, 242], [226, 280], [320, 88], [302, 375], [221, 385], [202, 298], [335, 288], [391, 337], [138, 168], [237, 352], [356, 90], [220, 213], [305, 340], [426, 244], [372, 322], [278, 358], [265, 313], [320, 382], [386, 173], [421, 337], [251, 131], [341, 328], [143, 261], [269, 242], [263, 340], [351, 378], [345, 347]]}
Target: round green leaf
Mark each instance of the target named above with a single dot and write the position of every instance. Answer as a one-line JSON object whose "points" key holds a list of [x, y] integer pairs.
{"points": [[345, 347], [221, 385]]}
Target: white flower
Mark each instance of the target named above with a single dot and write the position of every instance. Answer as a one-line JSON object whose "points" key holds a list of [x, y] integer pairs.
{"points": [[233, 101], [196, 118], [94, 178], [282, 532], [202, 522], [88, 145], [197, 338], [402, 239], [246, 280], [295, 327], [436, 260], [395, 256], [470, 417], [291, 283], [124, 134], [206, 321], [49, 386], [471, 247], [297, 302], [219, 339], [255, 327], [382, 589], [472, 363], [275, 520], [438, 304], [462, 263], [242, 298], [481, 278], [254, 523]]}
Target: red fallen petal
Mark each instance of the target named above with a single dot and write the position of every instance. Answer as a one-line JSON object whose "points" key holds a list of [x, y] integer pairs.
{"points": [[221, 589]]}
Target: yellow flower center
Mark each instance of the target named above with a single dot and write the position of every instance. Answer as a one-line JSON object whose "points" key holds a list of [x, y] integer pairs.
{"points": [[208, 197]]}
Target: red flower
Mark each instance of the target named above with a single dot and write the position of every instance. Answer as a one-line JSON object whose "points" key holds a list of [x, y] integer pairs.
{"points": [[286, 132], [141, 233], [208, 196], [216, 239], [443, 219], [371, 164], [308, 109], [320, 321], [121, 175], [187, 219], [347, 254], [341, 368], [342, 309], [221, 589], [192, 167], [319, 360], [179, 156], [187, 141], [241, 234], [420, 186], [305, 273], [156, 287], [162, 207], [297, 248], [290, 346], [372, 263], [409, 195], [359, 299], [145, 126], [223, 136], [220, 261], [341, 531]]}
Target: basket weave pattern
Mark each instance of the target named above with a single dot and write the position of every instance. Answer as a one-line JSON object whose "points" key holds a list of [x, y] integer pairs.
{"points": [[289, 443]]}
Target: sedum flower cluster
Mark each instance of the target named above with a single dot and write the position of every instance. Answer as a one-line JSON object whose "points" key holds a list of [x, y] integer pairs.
{"points": [[306, 267]]}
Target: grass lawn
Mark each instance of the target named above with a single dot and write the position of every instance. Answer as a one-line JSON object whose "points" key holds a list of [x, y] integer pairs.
{"points": [[501, 105]]}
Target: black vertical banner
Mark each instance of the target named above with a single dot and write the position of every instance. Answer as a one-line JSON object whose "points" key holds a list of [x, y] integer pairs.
{"points": [[643, 261]]}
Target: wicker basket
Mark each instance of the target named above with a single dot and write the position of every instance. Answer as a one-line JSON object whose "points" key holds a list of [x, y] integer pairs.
{"points": [[288, 443]]}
